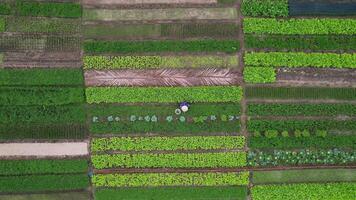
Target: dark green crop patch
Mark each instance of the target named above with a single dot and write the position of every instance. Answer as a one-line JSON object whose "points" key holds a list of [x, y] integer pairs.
{"points": [[265, 8]]}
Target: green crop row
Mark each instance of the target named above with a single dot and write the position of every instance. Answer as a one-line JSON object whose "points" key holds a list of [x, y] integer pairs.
{"points": [[42, 114], [265, 8], [83, 195], [2, 24], [147, 62], [40, 95], [167, 143], [291, 125], [127, 47], [299, 59], [341, 141], [304, 176], [300, 157], [300, 26], [21, 167], [254, 92], [259, 75], [287, 109], [174, 193], [44, 9], [42, 131], [170, 179], [42, 25], [154, 31], [170, 160], [43, 77], [38, 183], [311, 191], [301, 42], [163, 94]]}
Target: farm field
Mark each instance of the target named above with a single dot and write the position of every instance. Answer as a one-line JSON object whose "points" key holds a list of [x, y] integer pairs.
{"points": [[91, 96]]}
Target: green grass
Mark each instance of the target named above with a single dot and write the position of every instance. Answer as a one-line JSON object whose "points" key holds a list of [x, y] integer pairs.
{"points": [[43, 166], [330, 191], [40, 95], [52, 196], [173, 193], [43, 77], [258, 92], [34, 183], [128, 47], [304, 176]]}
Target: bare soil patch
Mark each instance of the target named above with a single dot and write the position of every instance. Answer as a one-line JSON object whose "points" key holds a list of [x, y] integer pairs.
{"points": [[141, 2]]}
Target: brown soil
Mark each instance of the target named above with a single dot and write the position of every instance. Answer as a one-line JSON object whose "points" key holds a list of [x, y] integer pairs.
{"points": [[163, 77], [33, 59], [313, 76]]}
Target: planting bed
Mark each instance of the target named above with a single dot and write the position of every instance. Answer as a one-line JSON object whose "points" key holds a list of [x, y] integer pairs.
{"points": [[90, 95]]}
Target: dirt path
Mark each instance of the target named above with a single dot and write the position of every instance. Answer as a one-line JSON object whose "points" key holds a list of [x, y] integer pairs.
{"points": [[163, 77], [43, 149]]}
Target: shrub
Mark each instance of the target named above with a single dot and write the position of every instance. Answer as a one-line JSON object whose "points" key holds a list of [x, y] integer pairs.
{"points": [[271, 133], [305, 133], [285, 134], [321, 133], [259, 75], [265, 8]]}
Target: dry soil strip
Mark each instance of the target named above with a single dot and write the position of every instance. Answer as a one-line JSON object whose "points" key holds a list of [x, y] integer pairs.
{"points": [[163, 77], [142, 2], [44, 149]]}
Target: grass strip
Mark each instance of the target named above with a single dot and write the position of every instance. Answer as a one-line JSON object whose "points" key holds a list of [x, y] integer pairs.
{"points": [[340, 141], [20, 167], [152, 62], [304, 176], [322, 26], [160, 14], [44, 77], [170, 160], [52, 196], [40, 95], [42, 131], [127, 47], [163, 94], [170, 179], [301, 42], [311, 191], [255, 92], [36, 183], [174, 193], [299, 59], [42, 114], [166, 143], [260, 75], [298, 109], [265, 8]]}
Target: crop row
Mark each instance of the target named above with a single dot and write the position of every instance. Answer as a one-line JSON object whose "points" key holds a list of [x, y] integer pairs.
{"points": [[44, 77], [259, 74], [292, 125], [299, 59], [36, 183], [310, 191], [163, 94], [42, 114], [192, 193], [256, 92], [42, 25], [23, 42], [25, 167], [300, 42], [44, 9], [292, 26], [321, 8], [266, 8], [50, 196], [304, 176], [300, 157], [288, 109], [148, 31], [126, 47], [170, 160], [148, 62], [42, 131], [40, 95], [166, 143], [340, 141], [170, 179]]}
